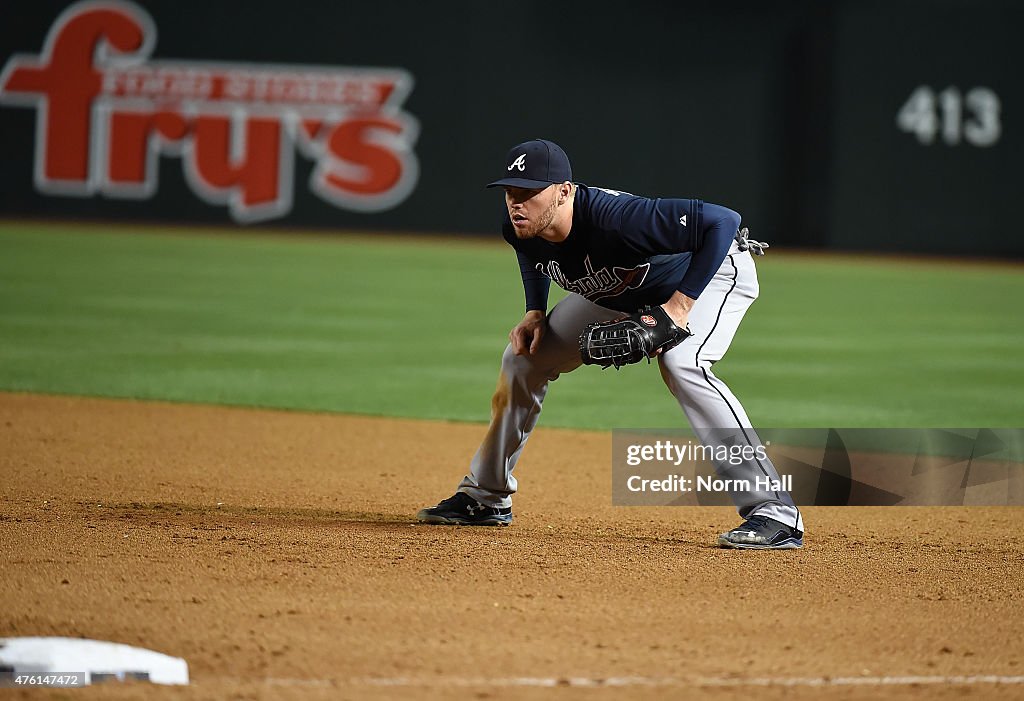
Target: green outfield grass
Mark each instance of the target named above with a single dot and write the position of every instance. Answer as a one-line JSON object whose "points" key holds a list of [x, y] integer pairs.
{"points": [[415, 328]]}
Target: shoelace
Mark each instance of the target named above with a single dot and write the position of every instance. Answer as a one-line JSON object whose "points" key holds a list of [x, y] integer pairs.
{"points": [[455, 500], [754, 523], [744, 242]]}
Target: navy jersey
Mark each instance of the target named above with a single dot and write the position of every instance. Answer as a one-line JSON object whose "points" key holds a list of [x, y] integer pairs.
{"points": [[625, 252]]}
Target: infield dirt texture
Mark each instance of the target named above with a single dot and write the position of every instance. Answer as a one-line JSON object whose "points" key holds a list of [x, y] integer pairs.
{"points": [[275, 550]]}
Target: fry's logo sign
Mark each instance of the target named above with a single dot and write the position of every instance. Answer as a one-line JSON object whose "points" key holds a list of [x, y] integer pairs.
{"points": [[105, 114]]}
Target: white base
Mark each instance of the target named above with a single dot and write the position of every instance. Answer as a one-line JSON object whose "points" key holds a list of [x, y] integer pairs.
{"points": [[98, 660]]}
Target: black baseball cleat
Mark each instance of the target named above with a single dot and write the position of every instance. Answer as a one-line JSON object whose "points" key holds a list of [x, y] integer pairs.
{"points": [[463, 510], [762, 533]]}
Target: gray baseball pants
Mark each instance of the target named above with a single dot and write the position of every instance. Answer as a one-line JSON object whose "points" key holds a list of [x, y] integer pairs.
{"points": [[707, 402]]}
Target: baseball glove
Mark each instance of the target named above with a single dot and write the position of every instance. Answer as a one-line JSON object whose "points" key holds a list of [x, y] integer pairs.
{"points": [[630, 339]]}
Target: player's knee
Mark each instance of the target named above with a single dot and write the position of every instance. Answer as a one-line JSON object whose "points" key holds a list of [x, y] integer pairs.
{"points": [[509, 360], [517, 365], [531, 369]]}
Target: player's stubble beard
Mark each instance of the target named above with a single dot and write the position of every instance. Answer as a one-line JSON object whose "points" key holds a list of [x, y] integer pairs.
{"points": [[543, 221]]}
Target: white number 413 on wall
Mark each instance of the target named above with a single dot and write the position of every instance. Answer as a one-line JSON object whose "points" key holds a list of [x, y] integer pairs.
{"points": [[972, 117]]}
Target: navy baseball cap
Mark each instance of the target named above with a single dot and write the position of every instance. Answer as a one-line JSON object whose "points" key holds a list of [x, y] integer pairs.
{"points": [[535, 164]]}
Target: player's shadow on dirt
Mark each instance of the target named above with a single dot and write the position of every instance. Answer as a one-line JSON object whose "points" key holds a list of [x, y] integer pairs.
{"points": [[173, 511]]}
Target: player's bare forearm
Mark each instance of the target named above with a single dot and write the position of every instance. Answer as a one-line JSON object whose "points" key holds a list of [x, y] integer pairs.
{"points": [[678, 307], [527, 334]]}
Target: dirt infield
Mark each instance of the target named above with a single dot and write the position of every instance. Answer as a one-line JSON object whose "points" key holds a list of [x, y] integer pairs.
{"points": [[276, 553]]}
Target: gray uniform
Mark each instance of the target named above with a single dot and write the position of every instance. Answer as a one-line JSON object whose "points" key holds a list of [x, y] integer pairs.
{"points": [[707, 401]]}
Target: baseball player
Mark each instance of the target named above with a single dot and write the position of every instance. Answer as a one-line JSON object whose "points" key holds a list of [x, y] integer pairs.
{"points": [[614, 253]]}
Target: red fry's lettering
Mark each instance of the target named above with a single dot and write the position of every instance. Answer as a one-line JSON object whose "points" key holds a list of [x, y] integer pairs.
{"points": [[65, 84], [377, 168], [365, 162], [311, 127], [236, 126], [129, 158], [242, 168], [253, 170]]}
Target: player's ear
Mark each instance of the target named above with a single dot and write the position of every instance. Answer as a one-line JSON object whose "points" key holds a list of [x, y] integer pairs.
{"points": [[564, 190]]}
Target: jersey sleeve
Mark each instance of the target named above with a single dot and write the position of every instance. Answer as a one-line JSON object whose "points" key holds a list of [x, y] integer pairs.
{"points": [[668, 226], [535, 284], [719, 226]]}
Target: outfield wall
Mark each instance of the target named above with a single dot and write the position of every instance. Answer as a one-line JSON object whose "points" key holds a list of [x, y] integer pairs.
{"points": [[854, 125]]}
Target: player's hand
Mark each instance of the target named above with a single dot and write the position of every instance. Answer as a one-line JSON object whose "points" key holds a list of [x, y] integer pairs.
{"points": [[678, 308], [527, 334]]}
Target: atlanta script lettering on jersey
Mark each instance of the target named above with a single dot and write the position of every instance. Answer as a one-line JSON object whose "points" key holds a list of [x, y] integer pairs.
{"points": [[597, 284], [106, 113]]}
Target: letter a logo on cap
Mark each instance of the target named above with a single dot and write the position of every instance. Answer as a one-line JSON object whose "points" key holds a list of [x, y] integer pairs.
{"points": [[519, 163]]}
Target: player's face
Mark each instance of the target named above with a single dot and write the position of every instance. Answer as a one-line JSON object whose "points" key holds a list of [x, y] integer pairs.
{"points": [[531, 211]]}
